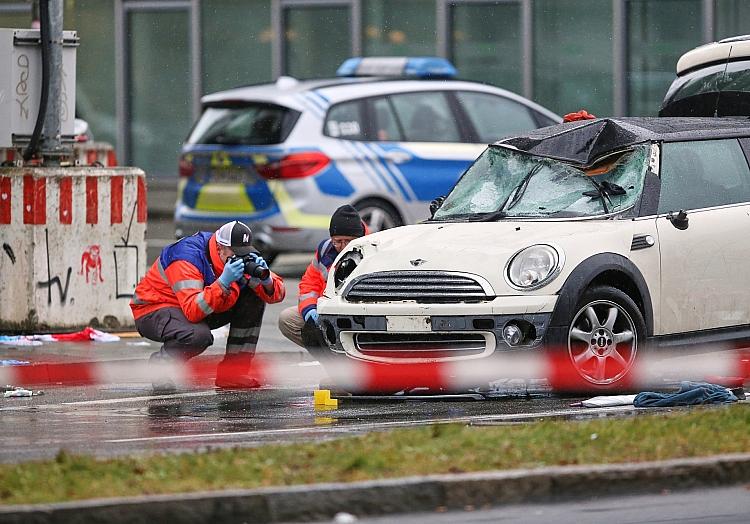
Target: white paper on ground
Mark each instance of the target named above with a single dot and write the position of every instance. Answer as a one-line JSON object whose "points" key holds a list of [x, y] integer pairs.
{"points": [[609, 400]]}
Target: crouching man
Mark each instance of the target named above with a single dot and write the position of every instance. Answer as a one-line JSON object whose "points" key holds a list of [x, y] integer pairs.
{"points": [[300, 323], [195, 286]]}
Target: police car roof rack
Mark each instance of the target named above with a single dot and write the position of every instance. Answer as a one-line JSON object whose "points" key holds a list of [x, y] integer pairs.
{"points": [[399, 66]]}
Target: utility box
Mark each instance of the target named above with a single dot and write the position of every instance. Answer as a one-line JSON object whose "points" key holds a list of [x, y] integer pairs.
{"points": [[20, 90]]}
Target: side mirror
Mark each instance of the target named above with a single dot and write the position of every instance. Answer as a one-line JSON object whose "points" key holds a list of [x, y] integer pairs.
{"points": [[680, 220], [435, 205]]}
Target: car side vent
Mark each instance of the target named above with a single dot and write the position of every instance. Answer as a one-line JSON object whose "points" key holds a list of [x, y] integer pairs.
{"points": [[641, 242]]}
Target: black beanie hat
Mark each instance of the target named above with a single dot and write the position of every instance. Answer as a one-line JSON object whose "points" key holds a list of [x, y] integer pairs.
{"points": [[346, 222]]}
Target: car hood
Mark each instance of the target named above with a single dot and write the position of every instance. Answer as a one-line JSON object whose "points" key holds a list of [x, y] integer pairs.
{"points": [[484, 249]]}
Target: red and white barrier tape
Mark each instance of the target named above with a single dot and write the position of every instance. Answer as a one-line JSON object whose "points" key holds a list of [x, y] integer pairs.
{"points": [[730, 367]]}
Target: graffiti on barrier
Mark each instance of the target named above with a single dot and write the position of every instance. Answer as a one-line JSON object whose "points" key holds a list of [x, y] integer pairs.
{"points": [[91, 262], [9, 251], [54, 281], [126, 266]]}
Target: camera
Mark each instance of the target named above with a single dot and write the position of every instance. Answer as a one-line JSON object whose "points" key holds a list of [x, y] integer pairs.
{"points": [[252, 268]]}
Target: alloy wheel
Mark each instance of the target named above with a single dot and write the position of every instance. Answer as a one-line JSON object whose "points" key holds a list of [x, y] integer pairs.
{"points": [[602, 342]]}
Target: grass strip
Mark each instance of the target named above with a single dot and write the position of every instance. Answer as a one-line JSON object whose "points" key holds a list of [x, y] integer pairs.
{"points": [[452, 448]]}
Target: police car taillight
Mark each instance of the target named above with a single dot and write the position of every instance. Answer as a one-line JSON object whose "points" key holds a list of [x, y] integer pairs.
{"points": [[296, 165], [186, 167]]}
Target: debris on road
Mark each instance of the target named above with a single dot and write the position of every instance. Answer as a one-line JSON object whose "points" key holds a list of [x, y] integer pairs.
{"points": [[689, 394], [20, 340], [606, 401], [20, 392], [13, 362], [85, 334]]}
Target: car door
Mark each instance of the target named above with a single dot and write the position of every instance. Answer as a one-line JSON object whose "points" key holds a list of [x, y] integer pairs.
{"points": [[493, 117], [704, 276], [419, 138]]}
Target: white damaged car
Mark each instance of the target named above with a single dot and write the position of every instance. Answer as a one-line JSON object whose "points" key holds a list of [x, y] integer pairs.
{"points": [[592, 239]]}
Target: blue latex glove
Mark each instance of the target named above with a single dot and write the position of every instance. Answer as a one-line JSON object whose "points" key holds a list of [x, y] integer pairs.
{"points": [[261, 262], [232, 272], [312, 315]]}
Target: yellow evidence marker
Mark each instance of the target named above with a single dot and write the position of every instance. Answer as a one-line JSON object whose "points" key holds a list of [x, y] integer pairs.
{"points": [[322, 397]]}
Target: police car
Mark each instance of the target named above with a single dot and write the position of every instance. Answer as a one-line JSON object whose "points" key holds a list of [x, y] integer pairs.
{"points": [[387, 135]]}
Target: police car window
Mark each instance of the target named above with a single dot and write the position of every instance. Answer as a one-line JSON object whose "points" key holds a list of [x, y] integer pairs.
{"points": [[426, 117], [250, 124], [494, 117], [345, 121], [386, 125], [695, 175]]}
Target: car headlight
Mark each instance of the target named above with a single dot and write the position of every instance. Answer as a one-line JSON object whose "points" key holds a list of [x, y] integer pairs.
{"points": [[345, 266], [534, 267]]}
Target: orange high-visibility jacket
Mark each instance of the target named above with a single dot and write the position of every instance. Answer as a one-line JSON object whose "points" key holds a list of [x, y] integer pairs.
{"points": [[186, 276], [314, 280]]}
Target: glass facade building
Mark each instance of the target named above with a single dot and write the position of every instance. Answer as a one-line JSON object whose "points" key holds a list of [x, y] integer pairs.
{"points": [[144, 64]]}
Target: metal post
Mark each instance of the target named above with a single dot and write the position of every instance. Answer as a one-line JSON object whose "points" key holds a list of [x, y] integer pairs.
{"points": [[52, 148], [620, 88], [527, 48]]}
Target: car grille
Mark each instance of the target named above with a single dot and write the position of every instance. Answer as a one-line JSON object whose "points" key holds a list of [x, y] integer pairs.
{"points": [[420, 286], [421, 345]]}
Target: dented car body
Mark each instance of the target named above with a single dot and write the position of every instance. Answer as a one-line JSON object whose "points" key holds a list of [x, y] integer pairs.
{"points": [[590, 239]]}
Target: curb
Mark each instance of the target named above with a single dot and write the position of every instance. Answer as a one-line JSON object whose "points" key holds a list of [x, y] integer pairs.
{"points": [[405, 495]]}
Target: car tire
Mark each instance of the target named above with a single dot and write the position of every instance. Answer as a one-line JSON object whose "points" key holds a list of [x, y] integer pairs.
{"points": [[604, 336], [378, 215]]}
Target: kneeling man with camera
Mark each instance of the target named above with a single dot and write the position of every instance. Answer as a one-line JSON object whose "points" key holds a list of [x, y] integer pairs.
{"points": [[200, 283]]}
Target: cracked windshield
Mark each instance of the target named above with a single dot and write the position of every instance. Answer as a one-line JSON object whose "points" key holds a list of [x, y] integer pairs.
{"points": [[504, 183]]}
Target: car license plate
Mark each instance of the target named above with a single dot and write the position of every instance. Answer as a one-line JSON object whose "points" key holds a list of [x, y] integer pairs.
{"points": [[408, 323], [233, 175]]}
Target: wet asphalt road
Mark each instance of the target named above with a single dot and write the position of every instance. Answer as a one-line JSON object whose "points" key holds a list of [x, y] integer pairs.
{"points": [[122, 419], [129, 418]]}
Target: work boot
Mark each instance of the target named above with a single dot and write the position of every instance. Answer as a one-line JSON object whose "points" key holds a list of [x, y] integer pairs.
{"points": [[161, 380], [234, 372]]}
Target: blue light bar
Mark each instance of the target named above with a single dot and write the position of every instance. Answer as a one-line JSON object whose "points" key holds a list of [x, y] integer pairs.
{"points": [[401, 66]]}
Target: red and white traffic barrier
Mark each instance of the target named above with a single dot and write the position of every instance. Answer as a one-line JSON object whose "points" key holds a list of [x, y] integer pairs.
{"points": [[92, 154], [73, 246], [730, 368]]}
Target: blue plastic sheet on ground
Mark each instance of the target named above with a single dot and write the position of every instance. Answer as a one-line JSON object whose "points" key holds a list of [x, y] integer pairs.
{"points": [[690, 394], [20, 340], [12, 362]]}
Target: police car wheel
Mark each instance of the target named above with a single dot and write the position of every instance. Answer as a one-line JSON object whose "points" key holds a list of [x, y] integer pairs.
{"points": [[269, 256], [378, 215]]}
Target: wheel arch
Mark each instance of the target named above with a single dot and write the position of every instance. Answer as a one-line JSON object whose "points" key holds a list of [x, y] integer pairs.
{"points": [[376, 197], [608, 269]]}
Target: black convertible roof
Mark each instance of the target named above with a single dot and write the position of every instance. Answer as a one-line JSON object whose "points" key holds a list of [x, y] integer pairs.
{"points": [[585, 141]]}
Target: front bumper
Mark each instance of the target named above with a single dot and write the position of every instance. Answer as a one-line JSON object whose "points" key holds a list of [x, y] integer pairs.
{"points": [[416, 333]]}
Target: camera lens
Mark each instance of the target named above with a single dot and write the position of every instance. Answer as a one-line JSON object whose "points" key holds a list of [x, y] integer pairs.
{"points": [[254, 269], [260, 272]]}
